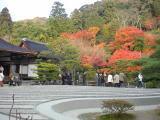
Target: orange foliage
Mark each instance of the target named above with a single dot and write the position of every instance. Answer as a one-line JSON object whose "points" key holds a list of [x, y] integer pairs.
{"points": [[66, 35], [84, 41], [148, 24], [81, 35], [124, 55], [148, 41], [126, 38], [86, 59], [136, 68], [94, 30], [101, 45]]}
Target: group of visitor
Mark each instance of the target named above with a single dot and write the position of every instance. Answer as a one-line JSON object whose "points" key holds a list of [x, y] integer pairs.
{"points": [[102, 79], [67, 78], [14, 78]]}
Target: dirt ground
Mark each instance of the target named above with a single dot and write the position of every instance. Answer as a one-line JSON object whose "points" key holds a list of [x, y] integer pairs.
{"points": [[140, 115]]}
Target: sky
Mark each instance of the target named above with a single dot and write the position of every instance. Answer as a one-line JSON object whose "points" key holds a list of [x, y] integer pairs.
{"points": [[28, 9]]}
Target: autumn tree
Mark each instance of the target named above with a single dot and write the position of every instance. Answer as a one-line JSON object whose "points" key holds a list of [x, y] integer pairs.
{"points": [[132, 38], [91, 53]]}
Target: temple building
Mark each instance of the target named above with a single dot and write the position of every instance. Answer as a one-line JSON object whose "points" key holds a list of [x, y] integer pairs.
{"points": [[22, 59]]}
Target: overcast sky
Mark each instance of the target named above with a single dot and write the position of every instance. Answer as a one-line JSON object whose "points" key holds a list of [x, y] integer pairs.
{"points": [[28, 9]]}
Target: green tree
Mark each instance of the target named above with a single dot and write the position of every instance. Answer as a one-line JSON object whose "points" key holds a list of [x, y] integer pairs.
{"points": [[151, 66], [31, 30], [156, 8], [6, 24], [92, 19], [58, 11], [47, 71], [68, 54], [76, 17], [56, 26]]}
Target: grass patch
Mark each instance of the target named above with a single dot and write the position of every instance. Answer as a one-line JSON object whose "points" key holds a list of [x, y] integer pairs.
{"points": [[122, 116], [158, 111]]}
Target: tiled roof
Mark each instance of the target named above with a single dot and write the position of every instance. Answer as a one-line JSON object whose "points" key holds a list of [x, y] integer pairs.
{"points": [[35, 46], [5, 46]]}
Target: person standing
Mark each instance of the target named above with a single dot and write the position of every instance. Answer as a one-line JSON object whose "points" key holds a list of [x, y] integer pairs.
{"points": [[63, 78], [1, 78], [1, 68], [121, 78], [84, 78], [70, 79], [116, 80], [96, 79], [140, 80], [110, 80], [102, 79], [77, 78], [99, 79]]}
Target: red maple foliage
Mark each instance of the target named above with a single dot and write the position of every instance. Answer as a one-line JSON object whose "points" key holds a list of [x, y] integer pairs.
{"points": [[149, 24], [101, 45], [126, 38], [94, 30], [86, 60], [124, 54], [148, 41], [135, 68]]}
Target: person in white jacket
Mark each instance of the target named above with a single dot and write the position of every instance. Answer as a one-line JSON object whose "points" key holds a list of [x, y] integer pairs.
{"points": [[116, 80], [140, 80], [1, 78], [110, 80]]}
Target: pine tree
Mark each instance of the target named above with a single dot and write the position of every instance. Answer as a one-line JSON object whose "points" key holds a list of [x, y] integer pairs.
{"points": [[76, 17], [6, 24], [151, 68], [58, 11], [156, 8]]}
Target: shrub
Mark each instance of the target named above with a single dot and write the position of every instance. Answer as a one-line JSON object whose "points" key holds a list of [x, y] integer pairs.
{"points": [[149, 84], [123, 116], [153, 84], [90, 75], [116, 106], [158, 111]]}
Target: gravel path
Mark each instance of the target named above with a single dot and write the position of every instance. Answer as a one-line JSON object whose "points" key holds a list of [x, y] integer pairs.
{"points": [[27, 98]]}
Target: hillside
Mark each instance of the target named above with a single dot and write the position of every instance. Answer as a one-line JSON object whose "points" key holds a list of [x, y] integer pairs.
{"points": [[36, 20]]}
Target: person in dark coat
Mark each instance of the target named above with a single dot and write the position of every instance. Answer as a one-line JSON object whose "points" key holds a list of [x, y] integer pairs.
{"points": [[84, 78], [96, 79], [102, 79], [77, 78], [63, 78], [70, 79], [99, 79], [121, 79]]}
